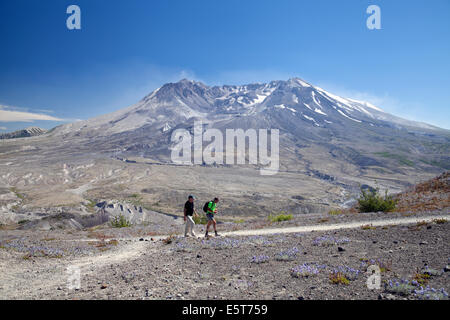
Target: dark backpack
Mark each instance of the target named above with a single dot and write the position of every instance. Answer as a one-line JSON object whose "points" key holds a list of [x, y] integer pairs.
{"points": [[205, 206]]}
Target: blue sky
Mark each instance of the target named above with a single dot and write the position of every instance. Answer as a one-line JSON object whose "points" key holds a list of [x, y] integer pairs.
{"points": [[126, 49]]}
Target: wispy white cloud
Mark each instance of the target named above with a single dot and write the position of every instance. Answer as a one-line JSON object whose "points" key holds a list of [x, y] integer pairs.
{"points": [[9, 114], [3, 128]]}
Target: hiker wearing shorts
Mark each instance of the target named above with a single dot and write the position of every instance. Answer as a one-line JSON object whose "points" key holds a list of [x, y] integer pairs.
{"points": [[211, 211], [189, 212]]}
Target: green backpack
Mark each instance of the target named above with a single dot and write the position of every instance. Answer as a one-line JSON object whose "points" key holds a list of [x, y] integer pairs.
{"points": [[205, 206]]}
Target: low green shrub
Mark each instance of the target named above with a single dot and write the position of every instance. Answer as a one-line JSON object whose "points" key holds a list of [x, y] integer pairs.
{"points": [[338, 278], [200, 219], [372, 201], [335, 212], [280, 217], [120, 222]]}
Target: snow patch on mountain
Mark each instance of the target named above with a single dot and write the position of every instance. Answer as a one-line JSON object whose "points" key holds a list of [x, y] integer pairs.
{"points": [[342, 113], [282, 106], [166, 127], [307, 105], [311, 119], [366, 104], [317, 110], [316, 100]]}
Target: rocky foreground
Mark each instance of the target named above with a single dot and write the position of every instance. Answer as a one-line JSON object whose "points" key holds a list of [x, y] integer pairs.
{"points": [[129, 264]]}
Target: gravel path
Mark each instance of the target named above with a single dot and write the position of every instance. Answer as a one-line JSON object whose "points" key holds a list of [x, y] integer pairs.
{"points": [[145, 258], [338, 226]]}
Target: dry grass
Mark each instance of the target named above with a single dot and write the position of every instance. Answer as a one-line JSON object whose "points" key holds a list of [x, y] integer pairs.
{"points": [[336, 212], [48, 239], [431, 195], [440, 221], [98, 235], [169, 239], [113, 242], [418, 226], [422, 278]]}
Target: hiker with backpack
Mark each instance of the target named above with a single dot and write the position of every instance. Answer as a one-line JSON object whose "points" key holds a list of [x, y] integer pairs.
{"points": [[210, 208], [189, 212]]}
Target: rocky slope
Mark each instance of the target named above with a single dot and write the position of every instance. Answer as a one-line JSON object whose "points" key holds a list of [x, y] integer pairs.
{"points": [[430, 195], [310, 119]]}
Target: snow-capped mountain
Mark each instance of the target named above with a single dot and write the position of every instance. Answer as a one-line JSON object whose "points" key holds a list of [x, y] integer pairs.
{"points": [[175, 103], [310, 119]]}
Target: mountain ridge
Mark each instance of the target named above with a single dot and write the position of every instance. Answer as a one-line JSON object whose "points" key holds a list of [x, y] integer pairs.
{"points": [[308, 117], [23, 133], [195, 99]]}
